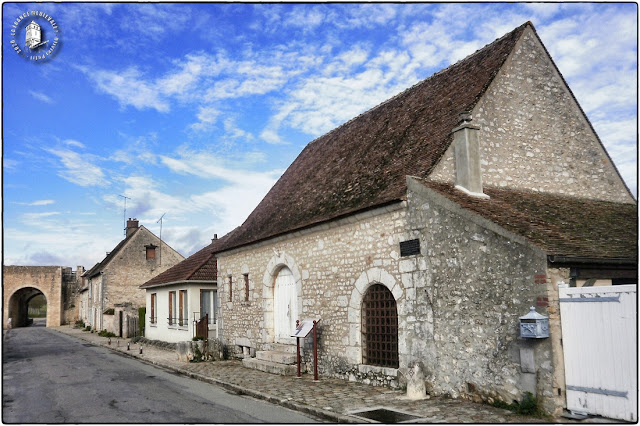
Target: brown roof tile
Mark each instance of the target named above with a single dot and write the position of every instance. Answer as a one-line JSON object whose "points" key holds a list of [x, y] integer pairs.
{"points": [[561, 226], [363, 163]]}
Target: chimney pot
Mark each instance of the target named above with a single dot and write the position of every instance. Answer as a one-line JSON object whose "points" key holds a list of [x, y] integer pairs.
{"points": [[132, 225]]}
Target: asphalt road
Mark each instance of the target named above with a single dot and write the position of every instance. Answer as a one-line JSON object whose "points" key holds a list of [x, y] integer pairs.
{"points": [[52, 378]]}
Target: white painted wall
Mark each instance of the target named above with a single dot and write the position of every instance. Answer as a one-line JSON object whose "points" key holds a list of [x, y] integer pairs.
{"points": [[161, 330]]}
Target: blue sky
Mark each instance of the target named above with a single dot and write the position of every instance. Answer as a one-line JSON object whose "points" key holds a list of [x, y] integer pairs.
{"points": [[195, 110]]}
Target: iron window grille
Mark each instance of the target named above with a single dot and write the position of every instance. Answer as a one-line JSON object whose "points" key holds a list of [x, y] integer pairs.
{"points": [[380, 327]]}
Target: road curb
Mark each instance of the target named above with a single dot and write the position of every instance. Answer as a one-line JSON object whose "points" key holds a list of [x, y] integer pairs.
{"points": [[304, 408]]}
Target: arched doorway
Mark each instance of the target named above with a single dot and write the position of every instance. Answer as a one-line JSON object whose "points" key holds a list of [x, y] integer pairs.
{"points": [[379, 327], [285, 306], [18, 315]]}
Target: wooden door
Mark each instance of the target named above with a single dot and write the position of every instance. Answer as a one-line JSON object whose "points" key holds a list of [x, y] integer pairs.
{"points": [[285, 306]]}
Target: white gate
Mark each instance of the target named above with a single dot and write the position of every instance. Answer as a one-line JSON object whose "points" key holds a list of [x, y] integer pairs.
{"points": [[600, 350]]}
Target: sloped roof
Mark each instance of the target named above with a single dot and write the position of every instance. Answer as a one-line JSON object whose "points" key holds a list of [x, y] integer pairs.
{"points": [[560, 225], [200, 266], [363, 163], [100, 265]]}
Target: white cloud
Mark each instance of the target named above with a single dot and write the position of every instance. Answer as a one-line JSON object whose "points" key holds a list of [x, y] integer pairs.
{"points": [[9, 164], [35, 203], [41, 97], [129, 88], [207, 117], [78, 168], [30, 217]]}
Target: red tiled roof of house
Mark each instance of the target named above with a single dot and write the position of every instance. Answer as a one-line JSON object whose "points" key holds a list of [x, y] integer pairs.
{"points": [[363, 163], [560, 225]]}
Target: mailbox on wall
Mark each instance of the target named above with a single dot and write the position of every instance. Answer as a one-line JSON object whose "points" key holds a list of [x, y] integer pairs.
{"points": [[534, 325]]}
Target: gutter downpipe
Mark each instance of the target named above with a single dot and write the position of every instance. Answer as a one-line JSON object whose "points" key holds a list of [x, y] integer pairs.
{"points": [[591, 260]]}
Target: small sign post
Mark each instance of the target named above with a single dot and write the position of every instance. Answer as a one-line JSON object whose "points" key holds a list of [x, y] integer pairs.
{"points": [[302, 330]]}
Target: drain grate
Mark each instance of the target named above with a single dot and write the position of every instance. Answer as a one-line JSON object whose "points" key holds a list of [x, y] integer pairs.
{"points": [[384, 415]]}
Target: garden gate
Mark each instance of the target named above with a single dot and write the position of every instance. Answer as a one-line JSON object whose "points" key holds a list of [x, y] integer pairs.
{"points": [[600, 350]]}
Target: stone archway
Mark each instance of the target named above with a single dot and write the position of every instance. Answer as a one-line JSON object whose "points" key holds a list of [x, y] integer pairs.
{"points": [[19, 305], [22, 283], [279, 261], [373, 276]]}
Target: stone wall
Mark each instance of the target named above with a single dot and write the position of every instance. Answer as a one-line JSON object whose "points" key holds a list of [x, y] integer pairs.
{"points": [[459, 300], [332, 265], [534, 135], [130, 268], [478, 281], [20, 283]]}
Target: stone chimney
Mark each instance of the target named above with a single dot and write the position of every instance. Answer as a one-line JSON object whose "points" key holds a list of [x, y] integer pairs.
{"points": [[132, 225], [215, 237], [468, 170]]}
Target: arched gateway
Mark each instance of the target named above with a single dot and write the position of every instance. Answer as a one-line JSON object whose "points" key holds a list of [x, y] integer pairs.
{"points": [[22, 283]]}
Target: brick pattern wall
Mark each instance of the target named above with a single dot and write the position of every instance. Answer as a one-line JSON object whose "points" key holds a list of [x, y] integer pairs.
{"points": [[533, 135]]}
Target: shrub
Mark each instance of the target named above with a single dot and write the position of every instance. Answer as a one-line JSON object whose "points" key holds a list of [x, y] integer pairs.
{"points": [[105, 333], [87, 328], [527, 407]]}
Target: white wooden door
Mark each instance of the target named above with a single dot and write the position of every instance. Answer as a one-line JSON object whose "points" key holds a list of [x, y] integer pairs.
{"points": [[600, 350], [285, 305]]}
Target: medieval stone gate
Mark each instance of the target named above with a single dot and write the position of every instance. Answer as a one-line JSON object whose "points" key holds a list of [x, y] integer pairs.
{"points": [[23, 283]]}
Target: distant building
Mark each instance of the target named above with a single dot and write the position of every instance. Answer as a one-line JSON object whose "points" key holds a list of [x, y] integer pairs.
{"points": [[113, 283]]}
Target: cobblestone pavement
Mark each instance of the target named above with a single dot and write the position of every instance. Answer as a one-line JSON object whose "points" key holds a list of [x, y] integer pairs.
{"points": [[331, 399]]}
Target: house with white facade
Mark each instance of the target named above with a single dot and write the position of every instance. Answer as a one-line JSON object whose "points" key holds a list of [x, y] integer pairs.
{"points": [[182, 302]]}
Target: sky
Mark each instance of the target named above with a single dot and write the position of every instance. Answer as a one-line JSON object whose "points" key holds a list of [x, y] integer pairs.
{"points": [[193, 111]]}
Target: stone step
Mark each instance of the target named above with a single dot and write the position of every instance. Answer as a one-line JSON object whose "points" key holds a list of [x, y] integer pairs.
{"points": [[277, 357], [280, 347], [270, 367]]}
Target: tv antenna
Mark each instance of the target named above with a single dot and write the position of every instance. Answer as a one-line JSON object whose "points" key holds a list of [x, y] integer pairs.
{"points": [[124, 214], [160, 220]]}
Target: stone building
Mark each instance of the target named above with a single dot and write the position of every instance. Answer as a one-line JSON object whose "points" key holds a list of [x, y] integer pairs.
{"points": [[420, 231], [112, 285], [58, 284]]}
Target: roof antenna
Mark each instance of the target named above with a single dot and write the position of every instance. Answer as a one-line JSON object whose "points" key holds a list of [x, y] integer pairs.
{"points": [[124, 214], [160, 220]]}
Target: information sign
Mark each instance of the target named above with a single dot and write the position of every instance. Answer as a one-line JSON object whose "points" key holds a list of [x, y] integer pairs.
{"points": [[304, 328]]}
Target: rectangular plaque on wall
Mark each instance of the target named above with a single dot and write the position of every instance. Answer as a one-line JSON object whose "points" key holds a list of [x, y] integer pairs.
{"points": [[409, 247]]}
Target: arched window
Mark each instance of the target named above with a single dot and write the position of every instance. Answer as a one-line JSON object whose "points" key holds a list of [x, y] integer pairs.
{"points": [[379, 327]]}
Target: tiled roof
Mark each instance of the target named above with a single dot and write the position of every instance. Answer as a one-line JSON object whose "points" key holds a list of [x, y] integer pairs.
{"points": [[200, 266], [363, 163], [561, 226]]}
